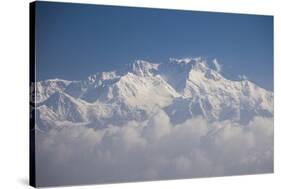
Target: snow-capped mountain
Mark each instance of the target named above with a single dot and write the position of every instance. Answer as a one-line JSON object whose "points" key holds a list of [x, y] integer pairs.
{"points": [[183, 88]]}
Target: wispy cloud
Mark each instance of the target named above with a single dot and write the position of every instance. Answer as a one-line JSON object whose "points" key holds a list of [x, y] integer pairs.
{"points": [[217, 65], [242, 77]]}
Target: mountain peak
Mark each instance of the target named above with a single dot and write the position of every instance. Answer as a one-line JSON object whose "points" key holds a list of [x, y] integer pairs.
{"points": [[197, 63], [66, 107], [186, 60], [143, 68], [103, 76]]}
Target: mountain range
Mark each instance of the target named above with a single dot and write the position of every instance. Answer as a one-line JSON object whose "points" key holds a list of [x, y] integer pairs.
{"points": [[182, 88]]}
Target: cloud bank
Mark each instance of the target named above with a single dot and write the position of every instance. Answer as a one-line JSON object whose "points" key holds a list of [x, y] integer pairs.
{"points": [[152, 150]]}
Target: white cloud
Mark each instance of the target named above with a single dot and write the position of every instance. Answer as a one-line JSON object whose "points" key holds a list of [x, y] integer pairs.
{"points": [[217, 65], [154, 149], [158, 126]]}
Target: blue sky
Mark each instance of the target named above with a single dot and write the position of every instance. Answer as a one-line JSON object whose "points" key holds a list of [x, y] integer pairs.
{"points": [[76, 40]]}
